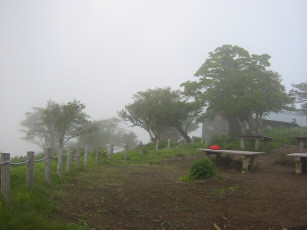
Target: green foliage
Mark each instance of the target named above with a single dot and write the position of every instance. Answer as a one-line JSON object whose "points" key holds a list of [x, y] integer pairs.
{"points": [[56, 124], [237, 85], [30, 209], [107, 132], [286, 135], [284, 160], [158, 109], [222, 192], [300, 91], [202, 169]]}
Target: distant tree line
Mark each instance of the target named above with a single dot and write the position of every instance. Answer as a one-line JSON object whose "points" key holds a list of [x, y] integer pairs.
{"points": [[232, 83], [56, 124]]}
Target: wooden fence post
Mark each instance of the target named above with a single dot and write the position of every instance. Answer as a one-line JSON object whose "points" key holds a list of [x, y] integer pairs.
{"points": [[301, 150], [301, 131], [168, 143], [192, 140], [77, 157], [5, 177], [111, 152], [98, 155], [69, 159], [257, 144], [126, 152], [48, 167], [85, 156], [30, 170], [157, 145], [60, 163], [141, 147]]}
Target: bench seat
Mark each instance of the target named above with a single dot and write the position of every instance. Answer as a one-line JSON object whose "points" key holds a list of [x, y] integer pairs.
{"points": [[299, 158], [248, 156]]}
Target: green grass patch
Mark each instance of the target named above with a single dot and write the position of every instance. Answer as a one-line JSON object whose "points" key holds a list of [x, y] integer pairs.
{"points": [[32, 209], [284, 160]]}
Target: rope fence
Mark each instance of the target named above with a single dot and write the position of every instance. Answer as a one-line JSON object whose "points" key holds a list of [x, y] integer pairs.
{"points": [[21, 163], [40, 159], [5, 164]]}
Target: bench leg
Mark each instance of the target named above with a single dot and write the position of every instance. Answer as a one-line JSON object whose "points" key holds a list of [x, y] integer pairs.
{"points": [[267, 144], [298, 165], [301, 146], [208, 155], [242, 143], [253, 162], [245, 163]]}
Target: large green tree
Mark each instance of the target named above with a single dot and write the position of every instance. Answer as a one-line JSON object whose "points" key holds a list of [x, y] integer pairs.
{"points": [[56, 124], [160, 108], [238, 86]]}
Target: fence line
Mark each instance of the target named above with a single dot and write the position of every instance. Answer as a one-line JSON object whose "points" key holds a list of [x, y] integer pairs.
{"points": [[40, 159], [5, 164], [21, 163]]}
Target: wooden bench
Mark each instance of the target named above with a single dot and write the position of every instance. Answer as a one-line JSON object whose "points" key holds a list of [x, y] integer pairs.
{"points": [[247, 157], [257, 140], [299, 158]]}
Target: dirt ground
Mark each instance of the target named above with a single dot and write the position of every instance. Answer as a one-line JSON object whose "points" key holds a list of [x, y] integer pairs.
{"points": [[153, 197]]}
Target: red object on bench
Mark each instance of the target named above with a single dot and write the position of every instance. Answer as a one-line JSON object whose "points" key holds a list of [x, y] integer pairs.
{"points": [[215, 147]]}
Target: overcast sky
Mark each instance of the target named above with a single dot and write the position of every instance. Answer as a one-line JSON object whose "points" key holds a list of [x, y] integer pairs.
{"points": [[102, 52]]}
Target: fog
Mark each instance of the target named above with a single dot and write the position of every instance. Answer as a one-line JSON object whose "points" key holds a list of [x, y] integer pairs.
{"points": [[102, 52]]}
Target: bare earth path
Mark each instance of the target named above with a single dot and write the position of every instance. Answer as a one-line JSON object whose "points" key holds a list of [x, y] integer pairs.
{"points": [[152, 197]]}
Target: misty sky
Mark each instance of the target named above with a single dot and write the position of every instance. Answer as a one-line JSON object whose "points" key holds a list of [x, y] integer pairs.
{"points": [[101, 52]]}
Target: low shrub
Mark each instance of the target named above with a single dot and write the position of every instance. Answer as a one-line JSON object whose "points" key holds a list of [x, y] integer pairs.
{"points": [[203, 169]]}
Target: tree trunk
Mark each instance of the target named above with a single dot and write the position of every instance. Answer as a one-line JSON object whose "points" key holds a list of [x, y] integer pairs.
{"points": [[259, 129], [61, 142], [234, 127], [184, 134]]}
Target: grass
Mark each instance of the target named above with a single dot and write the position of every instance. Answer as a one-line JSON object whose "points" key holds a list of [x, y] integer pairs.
{"points": [[29, 209], [32, 209], [280, 136], [222, 192], [284, 160]]}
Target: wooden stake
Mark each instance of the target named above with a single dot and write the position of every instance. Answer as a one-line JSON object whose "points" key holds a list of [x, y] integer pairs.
{"points": [[85, 156], [69, 160], [5, 177], [48, 167], [30, 170]]}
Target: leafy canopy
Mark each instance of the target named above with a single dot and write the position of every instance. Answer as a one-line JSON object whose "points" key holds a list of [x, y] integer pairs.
{"points": [[54, 125], [238, 85], [107, 132], [300, 91], [160, 108]]}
